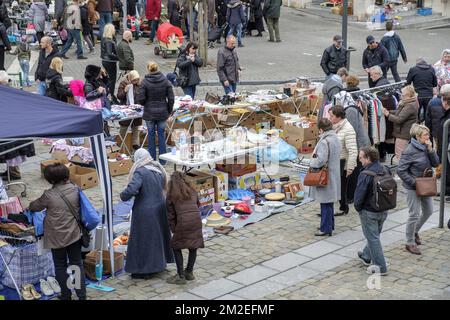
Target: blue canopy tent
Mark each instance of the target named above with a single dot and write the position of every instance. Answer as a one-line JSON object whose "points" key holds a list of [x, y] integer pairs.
{"points": [[27, 115]]}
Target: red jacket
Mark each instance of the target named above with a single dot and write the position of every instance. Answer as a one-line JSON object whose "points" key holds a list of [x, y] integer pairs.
{"points": [[153, 9]]}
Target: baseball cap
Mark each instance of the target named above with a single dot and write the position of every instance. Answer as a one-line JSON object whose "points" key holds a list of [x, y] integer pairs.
{"points": [[337, 38], [370, 39]]}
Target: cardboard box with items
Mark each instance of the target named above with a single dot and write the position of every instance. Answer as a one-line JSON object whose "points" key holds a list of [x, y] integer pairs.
{"points": [[245, 181], [92, 258], [83, 177], [46, 163], [118, 164], [220, 184], [204, 185], [237, 166]]}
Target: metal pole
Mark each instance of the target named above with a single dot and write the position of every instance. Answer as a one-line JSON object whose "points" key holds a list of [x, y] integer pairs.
{"points": [[444, 159], [344, 23]]}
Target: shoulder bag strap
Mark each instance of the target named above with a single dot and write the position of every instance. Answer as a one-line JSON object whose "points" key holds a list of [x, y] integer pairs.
{"points": [[71, 208]]}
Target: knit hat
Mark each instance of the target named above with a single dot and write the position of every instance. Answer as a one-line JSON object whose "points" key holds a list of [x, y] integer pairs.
{"points": [[370, 39]]}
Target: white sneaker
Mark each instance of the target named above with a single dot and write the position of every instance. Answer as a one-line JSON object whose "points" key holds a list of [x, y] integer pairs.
{"points": [[46, 289], [54, 285]]}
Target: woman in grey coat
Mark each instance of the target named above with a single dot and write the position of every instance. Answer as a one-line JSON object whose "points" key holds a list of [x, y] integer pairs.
{"points": [[149, 248], [418, 156], [327, 152], [39, 13]]}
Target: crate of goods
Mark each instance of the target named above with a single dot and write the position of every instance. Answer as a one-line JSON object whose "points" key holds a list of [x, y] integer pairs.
{"points": [[204, 185], [245, 181], [83, 177], [220, 184], [128, 141], [229, 119], [308, 146], [280, 121], [118, 165], [93, 256], [46, 163], [238, 166], [295, 135], [425, 11]]}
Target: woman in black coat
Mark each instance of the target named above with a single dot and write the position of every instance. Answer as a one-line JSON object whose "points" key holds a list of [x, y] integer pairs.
{"points": [[156, 95], [256, 18], [173, 11], [188, 62], [56, 88], [109, 58]]}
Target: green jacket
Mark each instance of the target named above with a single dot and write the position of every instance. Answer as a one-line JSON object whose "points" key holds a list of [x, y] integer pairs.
{"points": [[272, 8], [126, 56], [23, 51]]}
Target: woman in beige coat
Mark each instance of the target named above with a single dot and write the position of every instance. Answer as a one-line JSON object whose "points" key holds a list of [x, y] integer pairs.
{"points": [[349, 152]]}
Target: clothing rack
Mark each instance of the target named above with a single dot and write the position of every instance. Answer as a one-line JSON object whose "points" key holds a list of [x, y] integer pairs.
{"points": [[386, 86]]}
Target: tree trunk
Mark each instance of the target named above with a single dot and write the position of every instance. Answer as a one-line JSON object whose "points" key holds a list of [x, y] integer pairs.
{"points": [[191, 20], [202, 27]]}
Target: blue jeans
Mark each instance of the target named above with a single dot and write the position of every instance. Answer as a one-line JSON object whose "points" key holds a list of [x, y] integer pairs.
{"points": [[190, 91], [154, 28], [238, 28], [327, 217], [372, 225], [230, 88], [160, 126], [74, 34], [41, 87], [25, 66], [105, 18]]}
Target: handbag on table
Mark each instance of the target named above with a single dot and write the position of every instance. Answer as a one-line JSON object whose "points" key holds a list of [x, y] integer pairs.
{"points": [[426, 186]]}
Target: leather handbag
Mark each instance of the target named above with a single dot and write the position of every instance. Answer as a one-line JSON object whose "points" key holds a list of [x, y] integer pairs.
{"points": [[426, 186], [317, 177]]}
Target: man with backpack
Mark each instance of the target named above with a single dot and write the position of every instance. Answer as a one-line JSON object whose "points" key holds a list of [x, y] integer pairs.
{"points": [[376, 193], [392, 42]]}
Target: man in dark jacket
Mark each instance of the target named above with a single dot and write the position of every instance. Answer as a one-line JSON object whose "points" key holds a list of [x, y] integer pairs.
{"points": [[228, 68], [4, 18], [125, 53], [374, 55], [105, 9], [423, 77], [47, 53], [236, 19], [435, 112], [334, 57], [392, 42], [60, 7], [376, 74], [156, 95], [4, 45], [271, 11], [445, 94], [371, 220]]}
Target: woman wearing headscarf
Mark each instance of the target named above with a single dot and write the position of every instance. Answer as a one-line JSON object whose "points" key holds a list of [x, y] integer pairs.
{"points": [[149, 248], [442, 68]]}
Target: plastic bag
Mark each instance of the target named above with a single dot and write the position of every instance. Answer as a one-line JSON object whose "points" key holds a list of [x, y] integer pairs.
{"points": [[282, 151], [89, 216]]}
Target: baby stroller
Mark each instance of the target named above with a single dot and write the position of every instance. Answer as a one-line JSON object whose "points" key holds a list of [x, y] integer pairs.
{"points": [[215, 34], [133, 24], [170, 39]]}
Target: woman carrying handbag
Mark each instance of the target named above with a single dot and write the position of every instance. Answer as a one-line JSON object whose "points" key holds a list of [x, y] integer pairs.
{"points": [[327, 153], [416, 160]]}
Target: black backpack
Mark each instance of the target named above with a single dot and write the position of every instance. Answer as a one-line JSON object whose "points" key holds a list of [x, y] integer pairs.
{"points": [[384, 195]]}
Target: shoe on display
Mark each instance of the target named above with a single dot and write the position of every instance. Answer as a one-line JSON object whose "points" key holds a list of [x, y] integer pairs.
{"points": [[176, 279], [364, 261], [26, 292], [36, 295], [54, 284], [46, 289], [372, 269]]}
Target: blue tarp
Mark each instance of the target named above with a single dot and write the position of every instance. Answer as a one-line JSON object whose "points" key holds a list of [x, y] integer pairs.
{"points": [[29, 115]]}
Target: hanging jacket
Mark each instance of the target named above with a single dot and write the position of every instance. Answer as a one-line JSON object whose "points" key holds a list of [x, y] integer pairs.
{"points": [[333, 59], [56, 88], [189, 69], [375, 57], [108, 50], [413, 162], [423, 77], [156, 95], [403, 118], [39, 13], [44, 63]]}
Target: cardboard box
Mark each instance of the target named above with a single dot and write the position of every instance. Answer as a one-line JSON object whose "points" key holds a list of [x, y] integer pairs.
{"points": [[91, 258], [238, 166], [128, 141], [220, 184], [229, 119], [246, 181], [296, 135], [46, 163], [83, 177], [308, 146], [61, 155], [117, 168]]}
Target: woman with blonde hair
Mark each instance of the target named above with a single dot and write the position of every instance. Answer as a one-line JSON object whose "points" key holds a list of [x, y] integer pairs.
{"points": [[403, 118], [156, 95], [109, 58], [56, 88], [127, 93], [418, 156]]}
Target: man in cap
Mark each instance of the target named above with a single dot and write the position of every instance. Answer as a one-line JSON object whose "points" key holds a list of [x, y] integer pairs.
{"points": [[334, 57], [374, 55]]}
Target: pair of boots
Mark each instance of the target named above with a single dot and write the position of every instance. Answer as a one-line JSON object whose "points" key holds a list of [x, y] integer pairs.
{"points": [[181, 278]]}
